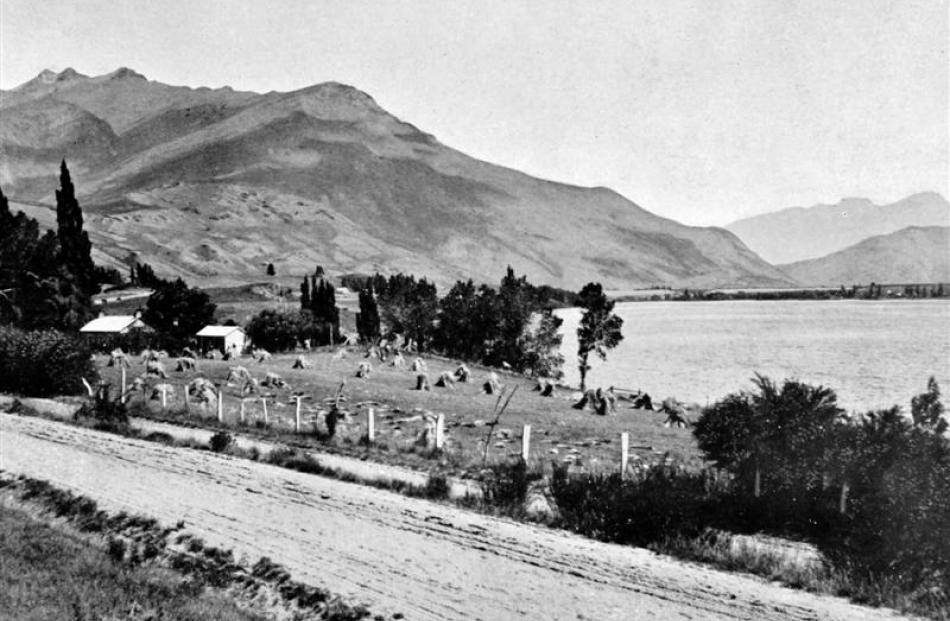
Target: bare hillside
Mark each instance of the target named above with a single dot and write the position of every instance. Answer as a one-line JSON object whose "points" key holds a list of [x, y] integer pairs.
{"points": [[216, 184], [912, 255]]}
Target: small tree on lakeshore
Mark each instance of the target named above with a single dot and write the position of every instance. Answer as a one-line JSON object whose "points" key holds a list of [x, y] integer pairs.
{"points": [[599, 329], [270, 269], [541, 348], [927, 410]]}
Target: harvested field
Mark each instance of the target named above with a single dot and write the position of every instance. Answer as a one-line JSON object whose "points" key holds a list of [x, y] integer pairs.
{"points": [[559, 433], [396, 554]]}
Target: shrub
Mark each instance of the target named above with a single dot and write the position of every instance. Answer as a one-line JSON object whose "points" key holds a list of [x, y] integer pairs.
{"points": [[654, 504], [106, 413], [41, 363], [220, 441], [506, 485], [775, 439], [437, 487]]}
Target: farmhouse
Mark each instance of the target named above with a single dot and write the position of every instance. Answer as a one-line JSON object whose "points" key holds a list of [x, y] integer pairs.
{"points": [[108, 325], [222, 338], [102, 331]]}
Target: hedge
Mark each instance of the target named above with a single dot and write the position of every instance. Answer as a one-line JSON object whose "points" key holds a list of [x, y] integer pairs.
{"points": [[42, 363]]}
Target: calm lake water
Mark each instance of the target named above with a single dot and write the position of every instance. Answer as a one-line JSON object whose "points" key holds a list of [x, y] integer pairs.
{"points": [[873, 354]]}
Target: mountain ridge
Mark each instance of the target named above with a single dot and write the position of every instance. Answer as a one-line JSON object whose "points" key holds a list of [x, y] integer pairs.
{"points": [[324, 174], [800, 233], [915, 254]]}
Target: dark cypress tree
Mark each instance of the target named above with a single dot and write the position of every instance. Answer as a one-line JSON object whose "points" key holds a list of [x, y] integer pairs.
{"points": [[323, 302], [75, 248], [5, 216], [270, 269], [305, 294], [367, 320]]}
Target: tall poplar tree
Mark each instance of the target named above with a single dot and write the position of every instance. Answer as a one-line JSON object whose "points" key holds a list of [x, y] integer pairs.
{"points": [[599, 329]]}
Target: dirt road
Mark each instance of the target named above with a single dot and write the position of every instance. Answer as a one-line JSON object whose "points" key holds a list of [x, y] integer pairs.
{"points": [[393, 553]]}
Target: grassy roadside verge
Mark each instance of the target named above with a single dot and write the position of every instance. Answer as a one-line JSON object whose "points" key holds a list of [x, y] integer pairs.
{"points": [[51, 572], [64, 558]]}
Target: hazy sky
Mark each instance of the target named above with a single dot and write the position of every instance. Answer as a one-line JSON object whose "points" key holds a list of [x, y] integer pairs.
{"points": [[700, 111]]}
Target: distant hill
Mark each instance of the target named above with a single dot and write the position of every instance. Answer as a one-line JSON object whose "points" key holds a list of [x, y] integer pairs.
{"points": [[912, 255], [797, 233], [216, 184]]}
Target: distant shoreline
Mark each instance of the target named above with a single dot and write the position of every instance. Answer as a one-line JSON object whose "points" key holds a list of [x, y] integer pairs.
{"points": [[892, 291]]}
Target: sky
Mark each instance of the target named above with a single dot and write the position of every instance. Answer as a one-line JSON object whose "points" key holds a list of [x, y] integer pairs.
{"points": [[700, 111]]}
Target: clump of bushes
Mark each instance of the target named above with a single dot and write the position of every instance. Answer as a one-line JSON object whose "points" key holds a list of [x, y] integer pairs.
{"points": [[437, 486], [40, 363], [505, 485], [646, 507], [873, 490], [220, 441]]}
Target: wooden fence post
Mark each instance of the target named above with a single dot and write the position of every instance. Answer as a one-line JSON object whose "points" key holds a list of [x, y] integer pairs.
{"points": [[525, 442], [843, 501], [220, 406], [297, 416], [122, 395], [440, 431], [164, 396], [187, 399], [624, 453], [264, 405], [242, 410], [758, 483], [371, 426]]}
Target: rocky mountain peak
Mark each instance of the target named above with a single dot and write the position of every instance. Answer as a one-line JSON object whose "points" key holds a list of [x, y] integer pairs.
{"points": [[124, 73]]}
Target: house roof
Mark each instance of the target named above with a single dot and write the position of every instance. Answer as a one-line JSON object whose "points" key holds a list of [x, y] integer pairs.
{"points": [[218, 330], [112, 323]]}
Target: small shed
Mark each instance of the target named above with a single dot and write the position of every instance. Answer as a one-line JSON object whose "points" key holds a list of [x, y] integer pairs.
{"points": [[106, 325], [223, 338]]}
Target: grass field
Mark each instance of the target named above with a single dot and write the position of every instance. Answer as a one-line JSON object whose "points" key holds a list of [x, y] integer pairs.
{"points": [[559, 433], [49, 572]]}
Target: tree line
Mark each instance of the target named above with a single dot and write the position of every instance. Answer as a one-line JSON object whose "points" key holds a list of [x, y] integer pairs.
{"points": [[512, 325], [47, 280]]}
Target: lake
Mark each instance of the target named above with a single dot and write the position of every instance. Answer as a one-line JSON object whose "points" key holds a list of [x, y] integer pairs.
{"points": [[872, 353]]}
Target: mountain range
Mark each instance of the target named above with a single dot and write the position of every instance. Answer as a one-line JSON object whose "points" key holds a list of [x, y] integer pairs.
{"points": [[800, 234], [916, 254], [214, 184]]}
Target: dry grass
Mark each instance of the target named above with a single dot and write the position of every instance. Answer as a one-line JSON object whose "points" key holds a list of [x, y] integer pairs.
{"points": [[50, 572]]}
